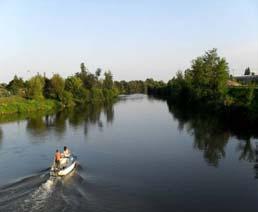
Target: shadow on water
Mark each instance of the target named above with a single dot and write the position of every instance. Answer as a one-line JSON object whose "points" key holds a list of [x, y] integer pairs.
{"points": [[39, 124], [211, 133], [85, 115]]}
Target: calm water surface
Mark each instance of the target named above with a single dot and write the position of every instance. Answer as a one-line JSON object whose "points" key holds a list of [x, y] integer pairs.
{"points": [[138, 154]]}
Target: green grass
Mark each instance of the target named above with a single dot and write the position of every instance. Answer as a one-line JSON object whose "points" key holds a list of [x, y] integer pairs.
{"points": [[15, 104]]}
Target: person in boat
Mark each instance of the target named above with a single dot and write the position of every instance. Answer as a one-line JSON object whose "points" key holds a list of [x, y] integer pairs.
{"points": [[67, 152], [57, 158], [65, 157]]}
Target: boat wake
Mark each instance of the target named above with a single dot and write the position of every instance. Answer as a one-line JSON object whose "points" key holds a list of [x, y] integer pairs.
{"points": [[42, 192], [39, 197], [27, 193]]}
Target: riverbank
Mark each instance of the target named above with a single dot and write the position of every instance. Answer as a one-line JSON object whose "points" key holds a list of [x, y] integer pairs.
{"points": [[239, 110], [207, 87], [16, 105], [19, 105]]}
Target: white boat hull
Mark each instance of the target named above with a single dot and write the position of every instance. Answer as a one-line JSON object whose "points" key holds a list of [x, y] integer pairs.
{"points": [[67, 170], [70, 165]]}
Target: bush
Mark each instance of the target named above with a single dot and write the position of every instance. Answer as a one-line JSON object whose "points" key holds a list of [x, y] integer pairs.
{"points": [[17, 104], [242, 96]]}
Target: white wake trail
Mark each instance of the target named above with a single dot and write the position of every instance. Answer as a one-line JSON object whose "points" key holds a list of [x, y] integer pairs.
{"points": [[40, 196]]}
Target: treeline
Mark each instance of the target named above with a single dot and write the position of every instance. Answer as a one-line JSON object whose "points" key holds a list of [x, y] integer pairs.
{"points": [[134, 86], [82, 87], [205, 85]]}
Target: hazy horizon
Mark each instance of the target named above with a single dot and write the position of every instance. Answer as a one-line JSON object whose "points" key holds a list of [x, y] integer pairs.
{"points": [[135, 40]]}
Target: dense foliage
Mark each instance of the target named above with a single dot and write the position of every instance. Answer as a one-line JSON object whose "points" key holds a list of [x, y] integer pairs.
{"points": [[205, 85], [207, 77], [16, 104], [134, 86], [206, 80], [247, 71], [82, 87]]}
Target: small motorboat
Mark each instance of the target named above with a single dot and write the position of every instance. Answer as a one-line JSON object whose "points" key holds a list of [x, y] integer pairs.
{"points": [[66, 166]]}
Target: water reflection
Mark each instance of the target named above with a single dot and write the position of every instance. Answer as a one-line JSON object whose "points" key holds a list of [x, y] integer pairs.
{"points": [[109, 112], [256, 160], [247, 151], [36, 125], [211, 133], [91, 115], [1, 137], [85, 115]]}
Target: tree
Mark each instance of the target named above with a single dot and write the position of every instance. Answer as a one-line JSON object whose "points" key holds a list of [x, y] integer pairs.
{"points": [[98, 72], [108, 80], [247, 71], [208, 76], [47, 88], [35, 87], [179, 87], [83, 68], [67, 98], [74, 85], [15, 85], [150, 82], [89, 80], [57, 86]]}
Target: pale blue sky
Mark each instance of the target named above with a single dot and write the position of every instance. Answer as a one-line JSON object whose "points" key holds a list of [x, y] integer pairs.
{"points": [[135, 39]]}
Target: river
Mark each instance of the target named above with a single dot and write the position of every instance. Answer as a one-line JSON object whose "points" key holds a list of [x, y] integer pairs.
{"points": [[137, 154]]}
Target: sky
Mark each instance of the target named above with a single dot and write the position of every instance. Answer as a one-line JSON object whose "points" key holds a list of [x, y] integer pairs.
{"points": [[135, 39]]}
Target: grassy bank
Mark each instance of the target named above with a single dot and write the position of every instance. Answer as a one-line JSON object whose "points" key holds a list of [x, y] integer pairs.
{"points": [[15, 104]]}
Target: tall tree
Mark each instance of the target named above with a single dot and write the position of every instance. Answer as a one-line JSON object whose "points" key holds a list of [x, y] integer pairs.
{"points": [[35, 87], [89, 80], [57, 85], [15, 85], [83, 68], [247, 71], [74, 85], [108, 80], [208, 76], [98, 72]]}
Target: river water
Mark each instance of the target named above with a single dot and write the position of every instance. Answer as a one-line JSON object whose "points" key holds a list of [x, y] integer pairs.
{"points": [[137, 154]]}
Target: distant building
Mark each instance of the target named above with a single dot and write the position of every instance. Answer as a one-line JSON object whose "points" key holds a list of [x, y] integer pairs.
{"points": [[247, 79]]}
